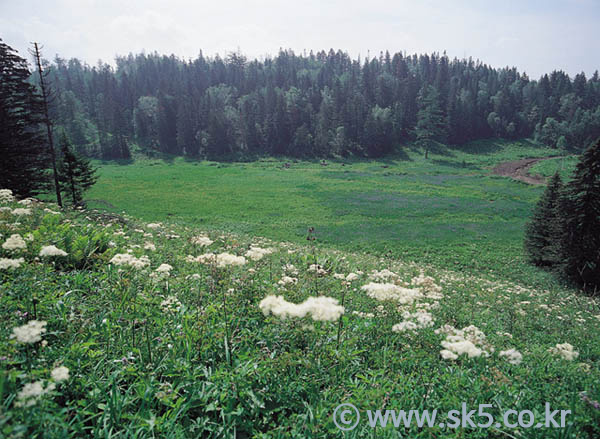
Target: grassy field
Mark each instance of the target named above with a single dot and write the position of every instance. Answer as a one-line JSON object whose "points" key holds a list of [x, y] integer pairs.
{"points": [[447, 210], [130, 330]]}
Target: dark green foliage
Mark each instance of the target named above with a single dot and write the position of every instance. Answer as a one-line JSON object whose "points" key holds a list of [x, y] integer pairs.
{"points": [[76, 173], [323, 104], [544, 231], [23, 153], [581, 244]]}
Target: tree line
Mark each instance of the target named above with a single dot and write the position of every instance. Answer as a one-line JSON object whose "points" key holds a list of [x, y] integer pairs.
{"points": [[313, 105], [27, 152]]}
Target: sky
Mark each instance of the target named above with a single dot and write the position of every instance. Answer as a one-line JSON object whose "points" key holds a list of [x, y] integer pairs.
{"points": [[533, 35]]}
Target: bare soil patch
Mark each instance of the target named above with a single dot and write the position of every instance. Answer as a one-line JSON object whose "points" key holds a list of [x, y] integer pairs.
{"points": [[519, 170]]}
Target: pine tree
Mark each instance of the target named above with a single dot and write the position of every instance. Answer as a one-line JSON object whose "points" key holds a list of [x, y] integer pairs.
{"points": [[581, 246], [23, 153], [431, 123], [544, 232], [76, 173]]}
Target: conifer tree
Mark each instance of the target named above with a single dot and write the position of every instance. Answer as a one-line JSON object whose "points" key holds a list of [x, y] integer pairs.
{"points": [[23, 153], [76, 173], [544, 232], [581, 245]]}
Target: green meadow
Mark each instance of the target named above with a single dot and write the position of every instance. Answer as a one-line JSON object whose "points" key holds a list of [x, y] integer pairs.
{"points": [[448, 209]]}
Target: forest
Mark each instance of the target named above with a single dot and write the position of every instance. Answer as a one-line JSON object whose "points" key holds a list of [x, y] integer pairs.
{"points": [[323, 104]]}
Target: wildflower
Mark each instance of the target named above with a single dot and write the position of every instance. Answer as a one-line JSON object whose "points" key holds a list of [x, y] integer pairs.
{"points": [[363, 314], [225, 259], [60, 374], [51, 250], [154, 226], [6, 264], [388, 291], [29, 237], [512, 356], [21, 211], [384, 274], [171, 303], [26, 202], [316, 268], [202, 241], [320, 308], [164, 268], [15, 242], [51, 211], [565, 350], [470, 341], [29, 333], [413, 321], [132, 261], [257, 253], [6, 196], [286, 280], [32, 392]]}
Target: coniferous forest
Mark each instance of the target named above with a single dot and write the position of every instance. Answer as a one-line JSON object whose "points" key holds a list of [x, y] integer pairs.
{"points": [[313, 105]]}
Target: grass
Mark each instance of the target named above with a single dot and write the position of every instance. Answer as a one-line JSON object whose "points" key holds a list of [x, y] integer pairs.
{"points": [[447, 210], [564, 165], [190, 354]]}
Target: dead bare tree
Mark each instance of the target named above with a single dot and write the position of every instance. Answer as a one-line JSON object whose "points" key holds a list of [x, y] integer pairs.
{"points": [[45, 89]]}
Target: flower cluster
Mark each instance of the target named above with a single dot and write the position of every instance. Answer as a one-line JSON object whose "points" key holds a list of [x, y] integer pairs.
{"points": [[386, 291], [14, 242], [468, 341], [51, 250], [130, 260], [320, 308], [6, 263], [257, 253], [565, 350], [202, 241], [6, 196], [30, 333], [413, 321]]}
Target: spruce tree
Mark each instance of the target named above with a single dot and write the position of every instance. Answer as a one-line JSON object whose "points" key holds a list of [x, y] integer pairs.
{"points": [[23, 152], [581, 245], [543, 234], [76, 173]]}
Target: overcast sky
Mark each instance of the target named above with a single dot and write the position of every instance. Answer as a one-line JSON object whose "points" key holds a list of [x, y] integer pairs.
{"points": [[536, 36]]}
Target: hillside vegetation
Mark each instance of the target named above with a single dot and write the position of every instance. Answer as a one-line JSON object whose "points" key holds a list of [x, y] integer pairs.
{"points": [[168, 331]]}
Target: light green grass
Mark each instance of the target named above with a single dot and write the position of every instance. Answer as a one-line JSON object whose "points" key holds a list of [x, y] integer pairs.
{"points": [[447, 209], [564, 165]]}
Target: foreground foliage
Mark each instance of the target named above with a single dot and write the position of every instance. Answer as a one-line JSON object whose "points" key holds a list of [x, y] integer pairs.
{"points": [[115, 328]]}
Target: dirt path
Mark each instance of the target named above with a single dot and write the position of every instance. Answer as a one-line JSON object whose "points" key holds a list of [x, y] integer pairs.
{"points": [[519, 170]]}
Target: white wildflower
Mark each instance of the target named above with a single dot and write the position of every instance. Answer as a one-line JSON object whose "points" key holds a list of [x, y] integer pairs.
{"points": [[6, 264], [130, 260], [171, 303], [6, 196], [164, 268], [512, 356], [384, 274], [257, 253], [320, 308], [21, 211], [149, 246], [202, 241], [32, 392], [154, 226], [29, 333], [286, 280], [15, 242], [565, 350], [51, 250], [388, 291], [60, 374]]}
